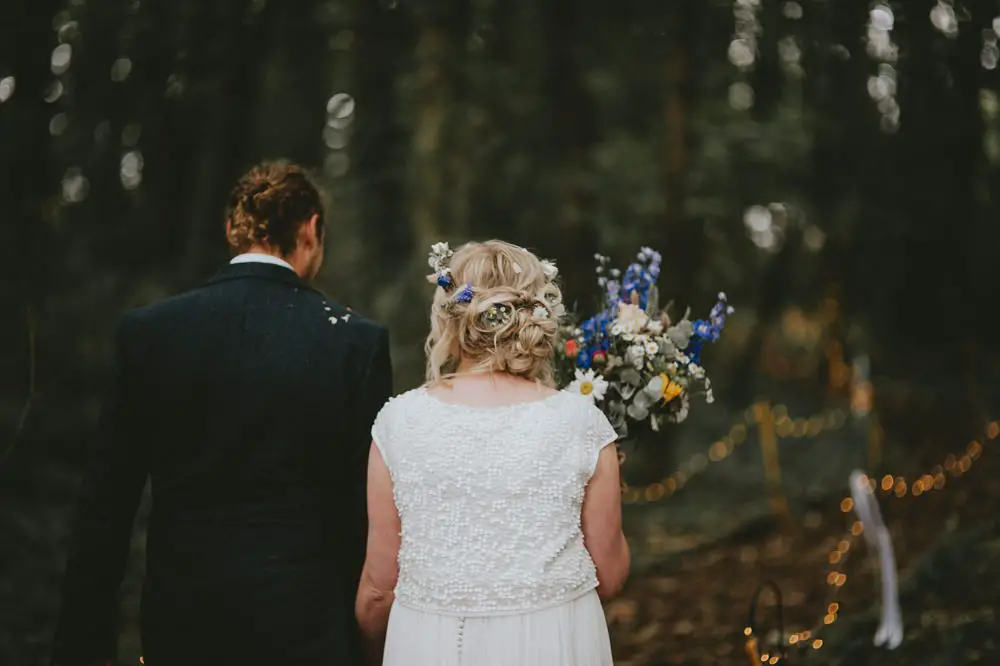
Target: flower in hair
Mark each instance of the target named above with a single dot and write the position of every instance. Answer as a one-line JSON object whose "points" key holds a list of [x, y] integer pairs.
{"points": [[549, 269], [465, 295], [439, 255], [438, 259], [541, 312], [443, 279], [497, 314]]}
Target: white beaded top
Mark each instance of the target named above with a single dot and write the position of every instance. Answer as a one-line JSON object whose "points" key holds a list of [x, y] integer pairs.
{"points": [[489, 499]]}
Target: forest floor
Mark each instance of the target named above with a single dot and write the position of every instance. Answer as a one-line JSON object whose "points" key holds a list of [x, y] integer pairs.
{"points": [[694, 577]]}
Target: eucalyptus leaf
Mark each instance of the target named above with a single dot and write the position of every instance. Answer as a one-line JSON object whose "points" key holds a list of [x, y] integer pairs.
{"points": [[680, 333], [643, 400], [637, 412], [631, 377], [652, 300]]}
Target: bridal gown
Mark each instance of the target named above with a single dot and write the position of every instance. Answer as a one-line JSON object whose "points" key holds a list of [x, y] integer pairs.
{"points": [[492, 565]]}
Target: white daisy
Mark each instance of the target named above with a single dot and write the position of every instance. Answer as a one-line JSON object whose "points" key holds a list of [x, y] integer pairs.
{"points": [[652, 348], [588, 384]]}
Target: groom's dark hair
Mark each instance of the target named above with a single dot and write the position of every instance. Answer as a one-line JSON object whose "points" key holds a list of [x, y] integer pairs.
{"points": [[268, 205]]}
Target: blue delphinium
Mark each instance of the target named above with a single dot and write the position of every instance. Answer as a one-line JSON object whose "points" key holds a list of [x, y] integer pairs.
{"points": [[708, 331], [465, 295]]}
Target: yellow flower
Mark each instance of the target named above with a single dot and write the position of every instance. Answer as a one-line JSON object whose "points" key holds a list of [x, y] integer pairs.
{"points": [[670, 389]]}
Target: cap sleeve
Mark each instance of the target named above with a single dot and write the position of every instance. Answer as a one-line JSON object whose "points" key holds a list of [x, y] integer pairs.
{"points": [[599, 434]]}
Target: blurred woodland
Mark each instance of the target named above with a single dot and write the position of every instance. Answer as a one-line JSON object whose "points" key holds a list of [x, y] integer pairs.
{"points": [[832, 165]]}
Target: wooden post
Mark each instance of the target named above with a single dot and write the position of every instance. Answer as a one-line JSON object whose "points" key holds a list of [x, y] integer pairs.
{"points": [[772, 462], [753, 652]]}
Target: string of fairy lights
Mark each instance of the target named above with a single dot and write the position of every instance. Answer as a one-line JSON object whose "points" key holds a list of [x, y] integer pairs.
{"points": [[891, 486], [785, 427]]}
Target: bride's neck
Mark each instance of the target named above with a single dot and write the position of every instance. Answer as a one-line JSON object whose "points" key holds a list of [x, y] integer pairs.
{"points": [[469, 367], [469, 370]]}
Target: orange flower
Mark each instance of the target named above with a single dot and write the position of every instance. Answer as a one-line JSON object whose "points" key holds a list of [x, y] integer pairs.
{"points": [[572, 348]]}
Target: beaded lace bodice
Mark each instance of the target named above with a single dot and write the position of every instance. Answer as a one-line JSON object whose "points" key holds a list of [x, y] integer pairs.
{"points": [[489, 499]]}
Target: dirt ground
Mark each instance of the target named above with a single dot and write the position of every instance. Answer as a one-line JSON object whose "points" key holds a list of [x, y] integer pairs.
{"points": [[692, 606]]}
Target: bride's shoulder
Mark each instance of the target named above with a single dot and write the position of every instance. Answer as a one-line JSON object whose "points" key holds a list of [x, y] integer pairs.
{"points": [[400, 402], [578, 403]]}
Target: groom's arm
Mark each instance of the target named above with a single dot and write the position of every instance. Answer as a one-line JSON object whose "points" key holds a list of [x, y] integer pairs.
{"points": [[376, 387], [373, 392], [112, 490]]}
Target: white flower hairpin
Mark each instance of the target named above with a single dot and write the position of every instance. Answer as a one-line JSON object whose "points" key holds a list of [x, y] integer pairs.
{"points": [[496, 315], [438, 259]]}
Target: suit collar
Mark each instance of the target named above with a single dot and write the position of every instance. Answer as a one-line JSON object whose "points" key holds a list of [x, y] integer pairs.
{"points": [[266, 271], [259, 258]]}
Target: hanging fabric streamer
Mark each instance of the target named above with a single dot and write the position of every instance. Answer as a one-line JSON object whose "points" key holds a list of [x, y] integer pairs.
{"points": [[890, 629]]}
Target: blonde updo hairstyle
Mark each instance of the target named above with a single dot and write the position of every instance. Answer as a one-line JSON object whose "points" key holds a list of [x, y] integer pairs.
{"points": [[503, 278]]}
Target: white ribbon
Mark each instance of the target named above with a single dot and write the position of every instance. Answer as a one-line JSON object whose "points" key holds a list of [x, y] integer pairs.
{"points": [[890, 629]]}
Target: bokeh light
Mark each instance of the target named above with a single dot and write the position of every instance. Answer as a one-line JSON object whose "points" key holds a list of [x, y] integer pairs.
{"points": [[75, 185], [7, 86], [62, 55]]}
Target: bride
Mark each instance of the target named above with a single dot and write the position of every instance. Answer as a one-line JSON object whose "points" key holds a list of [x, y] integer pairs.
{"points": [[494, 501]]}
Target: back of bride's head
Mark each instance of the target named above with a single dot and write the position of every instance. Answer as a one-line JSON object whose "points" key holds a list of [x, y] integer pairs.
{"points": [[498, 307]]}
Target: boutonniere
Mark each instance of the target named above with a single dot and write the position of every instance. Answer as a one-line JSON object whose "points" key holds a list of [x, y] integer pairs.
{"points": [[334, 319]]}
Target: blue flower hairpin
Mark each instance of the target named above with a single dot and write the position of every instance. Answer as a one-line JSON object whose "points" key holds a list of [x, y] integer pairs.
{"points": [[465, 295], [443, 278]]}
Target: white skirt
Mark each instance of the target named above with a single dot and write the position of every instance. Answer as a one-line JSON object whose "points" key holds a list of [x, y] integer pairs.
{"points": [[572, 634]]}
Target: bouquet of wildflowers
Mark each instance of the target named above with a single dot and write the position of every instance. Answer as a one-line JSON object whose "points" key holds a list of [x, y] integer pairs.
{"points": [[637, 364]]}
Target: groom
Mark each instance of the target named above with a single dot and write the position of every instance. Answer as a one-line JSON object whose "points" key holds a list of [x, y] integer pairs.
{"points": [[248, 403]]}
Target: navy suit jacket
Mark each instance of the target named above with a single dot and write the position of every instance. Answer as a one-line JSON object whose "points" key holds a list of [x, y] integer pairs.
{"points": [[248, 404]]}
